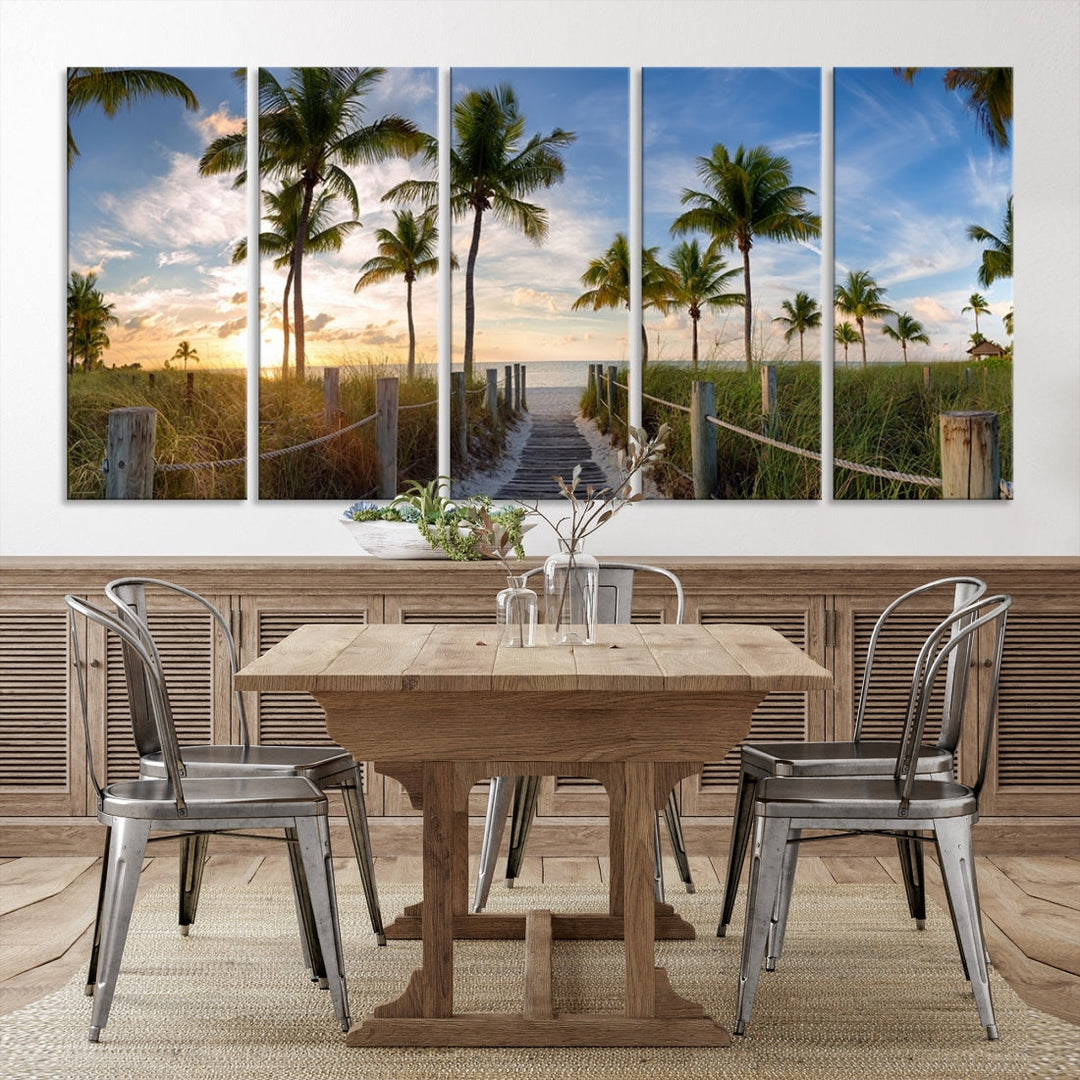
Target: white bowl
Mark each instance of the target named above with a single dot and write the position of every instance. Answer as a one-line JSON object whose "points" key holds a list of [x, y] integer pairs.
{"points": [[392, 539]]}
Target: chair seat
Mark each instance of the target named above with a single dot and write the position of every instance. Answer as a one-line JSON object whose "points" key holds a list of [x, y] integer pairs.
{"points": [[221, 797], [224, 759], [863, 758], [862, 798]]}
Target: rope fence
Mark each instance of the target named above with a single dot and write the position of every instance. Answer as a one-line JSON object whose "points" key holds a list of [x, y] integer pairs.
{"points": [[132, 431], [1004, 487]]}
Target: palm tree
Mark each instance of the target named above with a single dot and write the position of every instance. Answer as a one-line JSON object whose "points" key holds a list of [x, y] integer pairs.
{"points": [[997, 257], [409, 250], [283, 215], [988, 95], [977, 305], [88, 318], [747, 196], [310, 130], [698, 281], [185, 352], [799, 316], [608, 282], [907, 329], [112, 87], [862, 297], [491, 168], [845, 334]]}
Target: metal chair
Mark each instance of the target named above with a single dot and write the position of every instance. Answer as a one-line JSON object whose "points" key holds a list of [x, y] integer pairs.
{"points": [[902, 805], [616, 588], [859, 757], [329, 767], [183, 805]]}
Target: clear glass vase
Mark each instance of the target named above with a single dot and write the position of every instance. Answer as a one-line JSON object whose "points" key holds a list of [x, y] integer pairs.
{"points": [[571, 582], [516, 609]]}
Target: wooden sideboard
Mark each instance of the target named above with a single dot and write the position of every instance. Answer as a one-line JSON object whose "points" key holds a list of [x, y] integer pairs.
{"points": [[825, 605]]}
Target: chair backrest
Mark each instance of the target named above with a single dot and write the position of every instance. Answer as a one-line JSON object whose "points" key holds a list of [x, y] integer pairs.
{"points": [[615, 592], [139, 647], [954, 636], [964, 591], [130, 599]]}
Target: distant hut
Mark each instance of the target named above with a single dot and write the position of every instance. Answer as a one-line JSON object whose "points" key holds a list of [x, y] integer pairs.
{"points": [[986, 348]]}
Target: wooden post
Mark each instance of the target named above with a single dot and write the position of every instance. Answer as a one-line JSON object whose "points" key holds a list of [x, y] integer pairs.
{"points": [[189, 390], [590, 382], [768, 396], [967, 376], [508, 392], [331, 399], [524, 398], [493, 394], [517, 388], [130, 453], [151, 378], [386, 440], [703, 439], [461, 426], [612, 396], [926, 377], [970, 465]]}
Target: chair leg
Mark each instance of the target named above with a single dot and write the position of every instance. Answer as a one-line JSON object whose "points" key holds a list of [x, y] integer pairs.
{"points": [[361, 839], [127, 848], [742, 825], [783, 900], [526, 791], [911, 866], [317, 869], [658, 863], [305, 917], [770, 843], [500, 793], [95, 948], [678, 844], [192, 863], [953, 839]]}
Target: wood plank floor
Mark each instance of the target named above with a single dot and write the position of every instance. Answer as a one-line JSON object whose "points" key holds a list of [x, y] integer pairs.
{"points": [[1031, 910]]}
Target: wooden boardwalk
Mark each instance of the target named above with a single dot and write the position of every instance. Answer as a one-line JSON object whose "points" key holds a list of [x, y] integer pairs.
{"points": [[553, 448]]}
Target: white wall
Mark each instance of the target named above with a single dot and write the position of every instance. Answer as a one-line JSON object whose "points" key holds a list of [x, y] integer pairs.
{"points": [[1037, 37]]}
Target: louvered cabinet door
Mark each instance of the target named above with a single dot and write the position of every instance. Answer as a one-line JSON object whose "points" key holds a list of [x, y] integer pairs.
{"points": [[782, 715], [1036, 767], [42, 755], [196, 667], [297, 718]]}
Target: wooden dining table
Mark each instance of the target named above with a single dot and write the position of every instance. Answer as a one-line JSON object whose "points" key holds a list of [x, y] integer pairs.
{"points": [[440, 707]]}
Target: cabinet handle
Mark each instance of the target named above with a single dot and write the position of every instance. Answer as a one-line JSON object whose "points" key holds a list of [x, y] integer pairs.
{"points": [[95, 663]]}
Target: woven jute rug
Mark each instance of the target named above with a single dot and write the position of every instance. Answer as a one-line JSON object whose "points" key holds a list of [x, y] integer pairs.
{"points": [[858, 993]]}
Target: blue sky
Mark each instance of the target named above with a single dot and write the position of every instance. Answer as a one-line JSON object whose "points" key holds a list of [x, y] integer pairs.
{"points": [[912, 172], [524, 292], [685, 112], [158, 235]]}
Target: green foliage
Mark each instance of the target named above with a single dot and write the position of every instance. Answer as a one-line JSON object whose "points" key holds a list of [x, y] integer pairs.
{"points": [[210, 428], [887, 417], [884, 416], [291, 413]]}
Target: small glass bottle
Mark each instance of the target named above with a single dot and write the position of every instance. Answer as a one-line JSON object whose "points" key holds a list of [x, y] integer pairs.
{"points": [[571, 584], [516, 609]]}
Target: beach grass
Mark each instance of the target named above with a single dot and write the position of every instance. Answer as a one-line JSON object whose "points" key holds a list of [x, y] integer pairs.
{"points": [[885, 416]]}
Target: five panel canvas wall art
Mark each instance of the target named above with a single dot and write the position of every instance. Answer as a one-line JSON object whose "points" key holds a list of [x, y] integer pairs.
{"points": [[724, 324]]}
